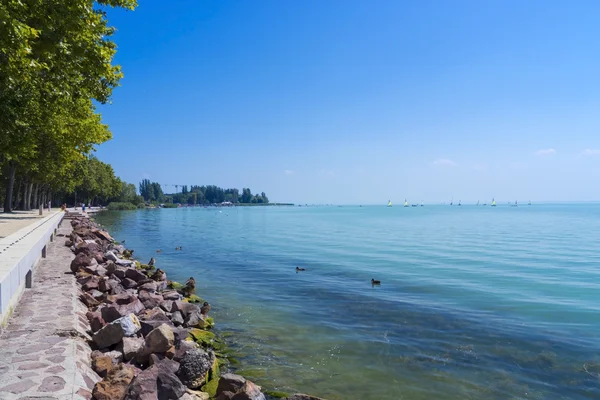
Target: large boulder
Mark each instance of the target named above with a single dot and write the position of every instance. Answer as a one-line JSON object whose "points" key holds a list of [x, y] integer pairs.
{"points": [[102, 365], [159, 340], [135, 275], [157, 382], [87, 248], [82, 260], [88, 300], [143, 386], [115, 331], [250, 391], [91, 284], [150, 300], [148, 286], [149, 326], [154, 314], [103, 235], [128, 283], [130, 346], [115, 385], [184, 307], [171, 295], [230, 383], [177, 318], [116, 311], [111, 256], [195, 320], [194, 366], [96, 320]]}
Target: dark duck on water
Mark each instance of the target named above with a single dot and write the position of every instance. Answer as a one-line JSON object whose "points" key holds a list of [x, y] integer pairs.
{"points": [[374, 282]]}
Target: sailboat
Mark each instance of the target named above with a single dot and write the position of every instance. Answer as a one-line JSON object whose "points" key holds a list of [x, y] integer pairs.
{"points": [[477, 202], [459, 203], [529, 203], [451, 201], [422, 204], [493, 203], [515, 205], [389, 203], [405, 203]]}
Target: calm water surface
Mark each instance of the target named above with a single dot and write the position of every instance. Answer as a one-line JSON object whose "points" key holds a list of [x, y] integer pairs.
{"points": [[475, 302]]}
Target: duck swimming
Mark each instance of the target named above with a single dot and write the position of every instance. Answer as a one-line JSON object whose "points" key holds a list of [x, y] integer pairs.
{"points": [[159, 251], [179, 248], [300, 269], [374, 282]]}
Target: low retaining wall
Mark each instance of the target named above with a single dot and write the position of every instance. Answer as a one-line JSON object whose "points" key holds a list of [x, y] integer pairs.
{"points": [[19, 254]]}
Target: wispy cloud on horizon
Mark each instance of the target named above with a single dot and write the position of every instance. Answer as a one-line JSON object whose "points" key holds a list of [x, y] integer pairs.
{"points": [[444, 161], [591, 152], [288, 172], [545, 152]]}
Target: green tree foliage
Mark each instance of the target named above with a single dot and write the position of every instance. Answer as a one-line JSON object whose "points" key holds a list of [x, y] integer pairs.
{"points": [[55, 61]]}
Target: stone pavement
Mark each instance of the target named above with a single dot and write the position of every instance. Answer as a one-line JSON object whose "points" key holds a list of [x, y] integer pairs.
{"points": [[43, 350], [10, 223]]}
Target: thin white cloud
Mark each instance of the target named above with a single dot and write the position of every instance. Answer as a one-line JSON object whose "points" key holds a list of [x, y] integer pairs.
{"points": [[444, 162], [591, 152], [288, 172], [545, 152]]}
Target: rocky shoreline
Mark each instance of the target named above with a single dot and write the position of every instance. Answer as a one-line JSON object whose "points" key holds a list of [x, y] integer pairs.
{"points": [[151, 338]]}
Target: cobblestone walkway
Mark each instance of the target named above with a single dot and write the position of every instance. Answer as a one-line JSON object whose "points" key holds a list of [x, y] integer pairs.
{"points": [[43, 352]]}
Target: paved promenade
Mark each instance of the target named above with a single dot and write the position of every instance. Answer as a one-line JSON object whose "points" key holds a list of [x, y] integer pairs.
{"points": [[10, 223], [43, 355]]}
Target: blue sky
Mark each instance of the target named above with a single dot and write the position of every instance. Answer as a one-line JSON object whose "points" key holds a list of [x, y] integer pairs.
{"points": [[359, 101]]}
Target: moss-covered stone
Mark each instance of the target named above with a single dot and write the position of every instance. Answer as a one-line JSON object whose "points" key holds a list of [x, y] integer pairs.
{"points": [[212, 380], [276, 394], [175, 285], [202, 337], [194, 299]]}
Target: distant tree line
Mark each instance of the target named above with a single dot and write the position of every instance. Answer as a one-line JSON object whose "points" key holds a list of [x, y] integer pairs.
{"points": [[209, 194]]}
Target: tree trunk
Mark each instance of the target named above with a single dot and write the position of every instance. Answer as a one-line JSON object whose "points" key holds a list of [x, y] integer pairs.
{"points": [[22, 205], [10, 181], [17, 202], [36, 199], [28, 190]]}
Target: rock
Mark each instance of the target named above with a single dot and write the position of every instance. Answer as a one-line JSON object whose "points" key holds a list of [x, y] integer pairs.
{"points": [[110, 313], [100, 271], [169, 386], [115, 385], [118, 289], [113, 332], [111, 256], [135, 275], [150, 300], [159, 340], [225, 396], [96, 320], [87, 248], [149, 286], [126, 263], [123, 298], [106, 285], [98, 295], [130, 346], [177, 318], [88, 300], [102, 365], [116, 311], [117, 248], [103, 235], [171, 352], [135, 307], [182, 348], [154, 314], [111, 267], [300, 396], [115, 355], [82, 260], [128, 283], [167, 305], [195, 320], [185, 308], [92, 283], [171, 295], [230, 383], [196, 395], [144, 386], [99, 257], [249, 391], [149, 326], [194, 366]]}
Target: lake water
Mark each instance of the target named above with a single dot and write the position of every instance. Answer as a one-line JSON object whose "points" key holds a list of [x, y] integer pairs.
{"points": [[475, 302]]}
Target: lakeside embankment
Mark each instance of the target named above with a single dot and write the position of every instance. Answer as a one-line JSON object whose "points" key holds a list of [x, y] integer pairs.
{"points": [[150, 336]]}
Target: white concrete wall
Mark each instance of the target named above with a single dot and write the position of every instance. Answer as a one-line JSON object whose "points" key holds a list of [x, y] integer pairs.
{"points": [[19, 254]]}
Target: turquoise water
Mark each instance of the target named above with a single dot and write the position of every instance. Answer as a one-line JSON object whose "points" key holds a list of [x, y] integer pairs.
{"points": [[475, 302]]}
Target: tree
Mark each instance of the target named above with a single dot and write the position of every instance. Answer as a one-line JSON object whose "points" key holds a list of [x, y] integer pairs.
{"points": [[55, 60]]}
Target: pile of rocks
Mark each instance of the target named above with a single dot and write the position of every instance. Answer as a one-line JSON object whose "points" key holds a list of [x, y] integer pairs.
{"points": [[150, 341]]}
